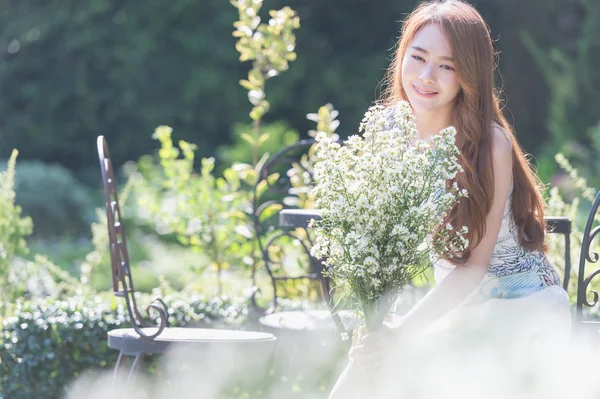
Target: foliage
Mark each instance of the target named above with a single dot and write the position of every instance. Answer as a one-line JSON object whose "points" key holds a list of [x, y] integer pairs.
{"points": [[40, 278], [269, 46], [67, 252], [326, 120], [300, 193], [594, 136], [18, 275], [293, 181], [275, 136], [13, 230], [301, 173], [47, 343], [576, 209], [570, 75], [187, 198], [88, 67], [202, 210], [214, 215], [55, 200]]}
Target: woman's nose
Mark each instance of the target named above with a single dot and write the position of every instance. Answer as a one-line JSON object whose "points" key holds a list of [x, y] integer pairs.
{"points": [[427, 74]]}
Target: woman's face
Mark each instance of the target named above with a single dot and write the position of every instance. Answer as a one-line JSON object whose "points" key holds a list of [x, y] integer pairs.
{"points": [[428, 74]]}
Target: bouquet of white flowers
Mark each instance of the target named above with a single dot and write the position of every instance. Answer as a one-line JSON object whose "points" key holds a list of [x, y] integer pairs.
{"points": [[383, 196]]}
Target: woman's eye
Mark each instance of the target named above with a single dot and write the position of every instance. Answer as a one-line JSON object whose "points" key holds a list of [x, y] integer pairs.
{"points": [[447, 67], [416, 57]]}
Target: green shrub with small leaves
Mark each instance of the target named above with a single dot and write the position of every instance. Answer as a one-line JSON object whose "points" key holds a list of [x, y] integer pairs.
{"points": [[55, 200], [47, 343], [201, 209], [13, 230]]}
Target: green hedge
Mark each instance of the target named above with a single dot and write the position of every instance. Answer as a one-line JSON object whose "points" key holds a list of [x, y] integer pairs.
{"points": [[49, 343], [54, 199]]}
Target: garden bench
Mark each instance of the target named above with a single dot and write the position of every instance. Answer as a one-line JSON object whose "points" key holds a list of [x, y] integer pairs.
{"points": [[146, 338]]}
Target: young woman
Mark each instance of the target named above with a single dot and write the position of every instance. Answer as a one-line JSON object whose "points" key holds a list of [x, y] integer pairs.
{"points": [[444, 67]]}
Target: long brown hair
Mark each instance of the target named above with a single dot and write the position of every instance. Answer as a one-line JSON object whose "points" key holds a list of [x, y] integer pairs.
{"points": [[477, 107]]}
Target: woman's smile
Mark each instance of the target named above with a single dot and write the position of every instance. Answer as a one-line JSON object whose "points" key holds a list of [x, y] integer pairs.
{"points": [[424, 93]]}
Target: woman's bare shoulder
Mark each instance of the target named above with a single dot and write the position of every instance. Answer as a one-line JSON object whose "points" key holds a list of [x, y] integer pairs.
{"points": [[501, 139]]}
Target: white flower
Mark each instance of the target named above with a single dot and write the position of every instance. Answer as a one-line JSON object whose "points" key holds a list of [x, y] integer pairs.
{"points": [[381, 198]]}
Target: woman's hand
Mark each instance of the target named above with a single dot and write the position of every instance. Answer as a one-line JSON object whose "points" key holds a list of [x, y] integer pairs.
{"points": [[371, 349]]}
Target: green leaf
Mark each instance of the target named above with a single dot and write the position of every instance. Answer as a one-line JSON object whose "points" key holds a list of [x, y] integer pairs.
{"points": [[247, 85], [269, 212], [263, 138], [261, 188], [272, 179], [244, 231], [323, 113], [264, 184], [248, 138], [313, 117], [256, 113], [232, 178], [256, 77], [208, 164], [262, 161], [195, 241], [238, 215]]}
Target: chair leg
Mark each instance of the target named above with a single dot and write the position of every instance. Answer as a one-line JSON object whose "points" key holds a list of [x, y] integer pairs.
{"points": [[134, 366], [118, 366], [132, 369]]}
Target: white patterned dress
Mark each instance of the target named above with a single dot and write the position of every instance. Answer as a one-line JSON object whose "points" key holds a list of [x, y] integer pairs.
{"points": [[513, 272], [519, 287]]}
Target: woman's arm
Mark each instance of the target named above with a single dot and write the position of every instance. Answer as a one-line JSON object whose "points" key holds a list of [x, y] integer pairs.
{"points": [[462, 280]]}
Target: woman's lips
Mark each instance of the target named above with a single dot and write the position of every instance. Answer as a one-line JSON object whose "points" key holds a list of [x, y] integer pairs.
{"points": [[424, 93]]}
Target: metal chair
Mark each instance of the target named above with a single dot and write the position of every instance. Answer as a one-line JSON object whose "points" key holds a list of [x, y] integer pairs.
{"points": [[289, 162], [562, 225], [144, 338], [588, 324], [583, 323]]}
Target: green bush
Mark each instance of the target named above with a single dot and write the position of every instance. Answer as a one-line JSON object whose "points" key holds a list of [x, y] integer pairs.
{"points": [[47, 344], [13, 230], [57, 202], [203, 210]]}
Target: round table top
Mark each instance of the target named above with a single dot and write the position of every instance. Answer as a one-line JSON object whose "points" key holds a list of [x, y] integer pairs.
{"points": [[197, 335], [127, 340], [308, 320], [298, 217]]}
